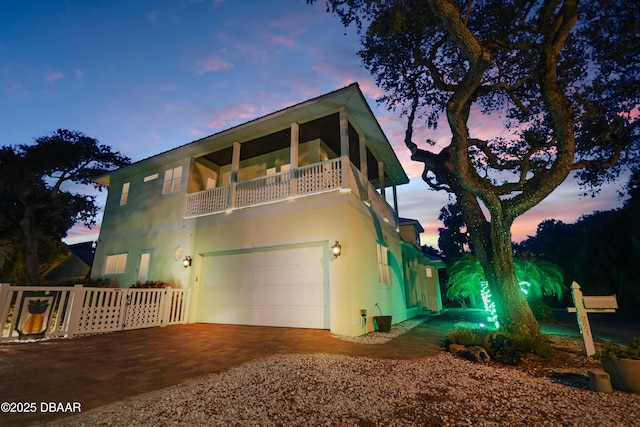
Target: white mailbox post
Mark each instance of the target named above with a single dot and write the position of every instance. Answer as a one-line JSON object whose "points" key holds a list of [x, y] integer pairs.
{"points": [[591, 304]]}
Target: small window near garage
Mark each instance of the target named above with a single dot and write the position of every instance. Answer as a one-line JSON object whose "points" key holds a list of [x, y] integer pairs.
{"points": [[172, 180], [150, 177], [115, 264], [384, 273], [125, 194], [429, 272]]}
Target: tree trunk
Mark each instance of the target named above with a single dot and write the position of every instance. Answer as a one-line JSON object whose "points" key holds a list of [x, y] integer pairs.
{"points": [[496, 258], [32, 262]]}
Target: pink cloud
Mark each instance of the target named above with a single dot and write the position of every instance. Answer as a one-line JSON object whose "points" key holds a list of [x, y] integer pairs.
{"points": [[212, 64], [250, 52], [52, 76], [283, 41], [233, 114], [80, 233]]}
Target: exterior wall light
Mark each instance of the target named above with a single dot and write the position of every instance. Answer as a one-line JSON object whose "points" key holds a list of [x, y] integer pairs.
{"points": [[186, 262], [336, 249]]}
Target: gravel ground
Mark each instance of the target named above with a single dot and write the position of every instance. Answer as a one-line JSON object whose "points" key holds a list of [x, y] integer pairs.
{"points": [[325, 389]]}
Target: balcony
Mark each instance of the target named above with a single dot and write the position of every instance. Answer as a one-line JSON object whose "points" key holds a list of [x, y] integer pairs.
{"points": [[331, 175]]}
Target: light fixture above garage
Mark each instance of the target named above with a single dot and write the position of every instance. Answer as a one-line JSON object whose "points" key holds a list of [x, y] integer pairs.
{"points": [[186, 262], [336, 249]]}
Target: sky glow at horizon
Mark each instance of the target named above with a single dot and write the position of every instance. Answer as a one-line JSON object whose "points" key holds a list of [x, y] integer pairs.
{"points": [[148, 76]]}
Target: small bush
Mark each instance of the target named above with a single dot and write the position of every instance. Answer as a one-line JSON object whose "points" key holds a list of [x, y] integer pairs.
{"points": [[613, 352], [541, 311], [510, 349], [465, 337], [153, 284], [88, 283], [534, 344]]}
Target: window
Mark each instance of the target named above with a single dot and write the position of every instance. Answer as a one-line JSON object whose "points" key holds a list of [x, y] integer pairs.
{"points": [[384, 274], [125, 194], [143, 268], [172, 180], [116, 264], [429, 272], [150, 177]]}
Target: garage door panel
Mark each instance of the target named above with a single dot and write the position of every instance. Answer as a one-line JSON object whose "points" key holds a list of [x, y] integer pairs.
{"points": [[271, 287]]}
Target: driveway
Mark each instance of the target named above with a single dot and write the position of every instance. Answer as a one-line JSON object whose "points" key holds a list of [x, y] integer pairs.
{"points": [[101, 369]]}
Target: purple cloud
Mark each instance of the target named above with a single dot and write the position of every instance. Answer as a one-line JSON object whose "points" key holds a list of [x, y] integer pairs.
{"points": [[52, 76], [212, 64]]}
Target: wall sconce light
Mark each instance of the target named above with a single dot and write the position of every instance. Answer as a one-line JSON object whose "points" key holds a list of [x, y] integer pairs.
{"points": [[336, 249], [186, 262]]}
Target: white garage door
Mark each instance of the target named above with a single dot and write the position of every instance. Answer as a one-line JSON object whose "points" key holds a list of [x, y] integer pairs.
{"points": [[278, 286]]}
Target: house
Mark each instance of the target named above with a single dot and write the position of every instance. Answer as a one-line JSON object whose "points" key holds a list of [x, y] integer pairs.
{"points": [[421, 281], [248, 218], [75, 266]]}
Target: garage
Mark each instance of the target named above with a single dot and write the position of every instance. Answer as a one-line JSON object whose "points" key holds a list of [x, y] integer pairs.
{"points": [[275, 286]]}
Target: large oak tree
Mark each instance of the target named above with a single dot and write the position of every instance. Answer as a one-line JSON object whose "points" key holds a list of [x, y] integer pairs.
{"points": [[561, 74], [39, 186]]}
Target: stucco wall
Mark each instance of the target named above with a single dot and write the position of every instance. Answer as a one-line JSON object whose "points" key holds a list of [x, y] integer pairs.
{"points": [[158, 226]]}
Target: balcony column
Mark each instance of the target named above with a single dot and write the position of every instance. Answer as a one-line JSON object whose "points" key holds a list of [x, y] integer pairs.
{"points": [[344, 144], [381, 181], [293, 158], [395, 207], [364, 173], [235, 170]]}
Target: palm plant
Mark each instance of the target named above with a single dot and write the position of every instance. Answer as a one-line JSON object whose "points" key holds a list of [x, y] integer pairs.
{"points": [[537, 278]]}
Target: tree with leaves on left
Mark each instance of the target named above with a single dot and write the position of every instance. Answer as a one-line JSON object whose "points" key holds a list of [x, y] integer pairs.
{"points": [[39, 186]]}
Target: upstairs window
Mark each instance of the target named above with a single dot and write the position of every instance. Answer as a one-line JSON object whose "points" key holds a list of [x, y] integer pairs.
{"points": [[125, 194], [384, 272], [115, 264], [172, 180]]}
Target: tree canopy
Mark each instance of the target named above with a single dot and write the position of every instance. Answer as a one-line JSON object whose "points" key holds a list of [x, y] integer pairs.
{"points": [[600, 251], [40, 191], [562, 76]]}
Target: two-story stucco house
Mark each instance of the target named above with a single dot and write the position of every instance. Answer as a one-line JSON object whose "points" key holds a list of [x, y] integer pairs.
{"points": [[255, 211]]}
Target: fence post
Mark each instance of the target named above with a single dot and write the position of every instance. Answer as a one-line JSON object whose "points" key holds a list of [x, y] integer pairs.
{"points": [[5, 304], [126, 297], [77, 303], [166, 303], [185, 305]]}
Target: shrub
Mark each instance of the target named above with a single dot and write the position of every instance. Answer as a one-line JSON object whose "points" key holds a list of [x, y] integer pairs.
{"points": [[153, 284], [466, 337], [534, 344], [613, 352], [541, 311]]}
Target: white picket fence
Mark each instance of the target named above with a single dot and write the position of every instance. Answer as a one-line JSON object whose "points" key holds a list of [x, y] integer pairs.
{"points": [[65, 312]]}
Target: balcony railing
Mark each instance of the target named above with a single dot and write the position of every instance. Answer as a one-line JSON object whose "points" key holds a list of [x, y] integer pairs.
{"points": [[316, 178]]}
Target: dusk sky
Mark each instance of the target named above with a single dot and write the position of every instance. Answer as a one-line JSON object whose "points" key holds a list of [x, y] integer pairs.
{"points": [[147, 76]]}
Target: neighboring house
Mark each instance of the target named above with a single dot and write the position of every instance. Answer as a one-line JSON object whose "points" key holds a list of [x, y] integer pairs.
{"points": [[422, 285], [76, 266], [255, 211]]}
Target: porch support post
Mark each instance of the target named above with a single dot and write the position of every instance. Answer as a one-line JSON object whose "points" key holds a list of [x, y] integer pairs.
{"points": [[344, 133], [344, 143], [235, 170], [396, 216], [364, 172], [293, 158], [381, 181]]}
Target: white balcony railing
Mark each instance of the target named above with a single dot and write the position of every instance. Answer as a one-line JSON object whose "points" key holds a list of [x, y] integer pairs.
{"points": [[319, 177], [207, 201], [316, 178], [263, 189]]}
